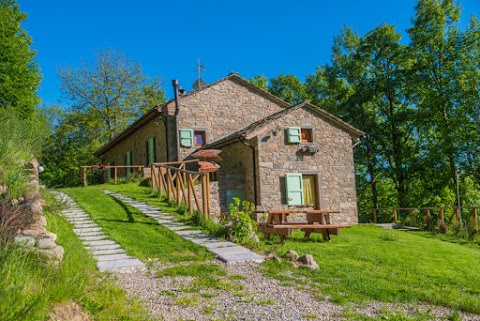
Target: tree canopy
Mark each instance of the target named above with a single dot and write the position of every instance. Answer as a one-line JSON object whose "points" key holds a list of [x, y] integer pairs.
{"points": [[19, 74]]}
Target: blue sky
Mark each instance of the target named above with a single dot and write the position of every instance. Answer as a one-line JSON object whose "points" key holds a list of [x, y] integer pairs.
{"points": [[167, 37]]}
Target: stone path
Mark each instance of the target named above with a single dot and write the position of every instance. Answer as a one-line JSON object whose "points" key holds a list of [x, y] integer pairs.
{"points": [[109, 255], [227, 252]]}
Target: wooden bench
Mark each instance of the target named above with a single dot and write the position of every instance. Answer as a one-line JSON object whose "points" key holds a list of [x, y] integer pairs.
{"points": [[318, 221]]}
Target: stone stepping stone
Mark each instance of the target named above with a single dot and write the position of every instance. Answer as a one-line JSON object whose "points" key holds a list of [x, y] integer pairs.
{"points": [[230, 250], [201, 239], [112, 257], [99, 243], [86, 225], [239, 257], [80, 231], [79, 215], [164, 221], [108, 252], [189, 232], [178, 227], [103, 247], [214, 245], [93, 238], [119, 264], [99, 233]]}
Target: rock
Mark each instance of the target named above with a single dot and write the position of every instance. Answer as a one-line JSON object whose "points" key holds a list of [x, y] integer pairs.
{"points": [[308, 262], [24, 240], [40, 229], [41, 221], [32, 233], [55, 253], [46, 243], [37, 207], [254, 237], [3, 189], [291, 255], [53, 236], [272, 257]]}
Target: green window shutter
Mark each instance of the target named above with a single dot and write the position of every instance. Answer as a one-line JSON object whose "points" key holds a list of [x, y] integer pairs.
{"points": [[186, 137], [294, 187], [294, 135], [151, 151], [128, 162]]}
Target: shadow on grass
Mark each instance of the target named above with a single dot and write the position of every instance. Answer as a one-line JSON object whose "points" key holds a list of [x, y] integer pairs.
{"points": [[125, 207]]}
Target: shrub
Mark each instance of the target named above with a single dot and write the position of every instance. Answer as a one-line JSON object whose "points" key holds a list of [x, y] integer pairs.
{"points": [[241, 224]]}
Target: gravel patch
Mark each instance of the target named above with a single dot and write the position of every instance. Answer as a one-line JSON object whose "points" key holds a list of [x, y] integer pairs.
{"points": [[261, 298]]}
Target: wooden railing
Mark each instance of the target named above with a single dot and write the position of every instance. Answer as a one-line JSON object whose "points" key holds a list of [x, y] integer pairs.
{"points": [[443, 217], [179, 184], [105, 168]]}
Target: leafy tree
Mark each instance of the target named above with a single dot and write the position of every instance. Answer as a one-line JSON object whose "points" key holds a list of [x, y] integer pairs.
{"points": [[112, 92], [104, 98], [260, 81], [19, 74], [289, 88]]}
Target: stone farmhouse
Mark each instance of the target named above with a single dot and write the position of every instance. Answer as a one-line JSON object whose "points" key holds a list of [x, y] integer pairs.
{"points": [[274, 154]]}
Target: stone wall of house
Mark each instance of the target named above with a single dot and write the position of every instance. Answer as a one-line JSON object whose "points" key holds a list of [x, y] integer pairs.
{"points": [[236, 172], [137, 143], [221, 109], [333, 163]]}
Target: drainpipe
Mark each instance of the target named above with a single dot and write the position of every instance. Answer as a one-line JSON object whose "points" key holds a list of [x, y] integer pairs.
{"points": [[177, 110], [255, 192]]}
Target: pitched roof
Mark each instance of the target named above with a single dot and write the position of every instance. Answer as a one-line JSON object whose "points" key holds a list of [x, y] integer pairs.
{"points": [[155, 111], [254, 129], [130, 129]]}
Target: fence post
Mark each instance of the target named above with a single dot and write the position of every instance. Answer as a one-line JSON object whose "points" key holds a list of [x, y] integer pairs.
{"points": [[115, 175], [204, 196], [458, 216], [169, 186], [375, 215], [152, 175], [177, 185], [84, 176], [428, 218], [475, 217], [442, 218], [395, 219], [188, 177]]}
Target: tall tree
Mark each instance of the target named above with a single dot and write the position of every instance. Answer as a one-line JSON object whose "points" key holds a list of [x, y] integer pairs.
{"points": [[289, 88], [437, 43], [260, 81], [112, 90], [19, 74]]}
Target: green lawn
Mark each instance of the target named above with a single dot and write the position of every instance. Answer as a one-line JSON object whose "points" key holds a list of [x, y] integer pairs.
{"points": [[362, 264], [369, 263], [140, 236], [30, 287]]}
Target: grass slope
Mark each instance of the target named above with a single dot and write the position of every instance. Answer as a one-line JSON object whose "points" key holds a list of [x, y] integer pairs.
{"points": [[30, 286], [140, 236], [368, 263]]}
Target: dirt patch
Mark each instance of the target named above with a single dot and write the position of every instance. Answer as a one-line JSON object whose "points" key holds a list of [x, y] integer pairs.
{"points": [[68, 312]]}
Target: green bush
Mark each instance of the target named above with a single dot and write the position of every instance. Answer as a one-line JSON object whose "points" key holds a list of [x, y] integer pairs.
{"points": [[242, 225]]}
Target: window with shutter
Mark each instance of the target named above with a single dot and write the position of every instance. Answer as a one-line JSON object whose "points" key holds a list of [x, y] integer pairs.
{"points": [[186, 137], [151, 151], [294, 135], [294, 188]]}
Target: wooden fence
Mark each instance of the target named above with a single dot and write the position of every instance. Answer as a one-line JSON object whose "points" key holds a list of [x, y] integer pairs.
{"points": [[180, 184], [105, 168], [443, 217]]}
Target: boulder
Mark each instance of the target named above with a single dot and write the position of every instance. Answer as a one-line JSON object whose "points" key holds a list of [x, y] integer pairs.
{"points": [[55, 253], [46, 243], [36, 207], [32, 233], [254, 237], [308, 262], [24, 240], [291, 255], [41, 221], [53, 236]]}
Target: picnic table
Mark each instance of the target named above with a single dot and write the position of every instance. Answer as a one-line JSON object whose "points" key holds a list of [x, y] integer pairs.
{"points": [[318, 221]]}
